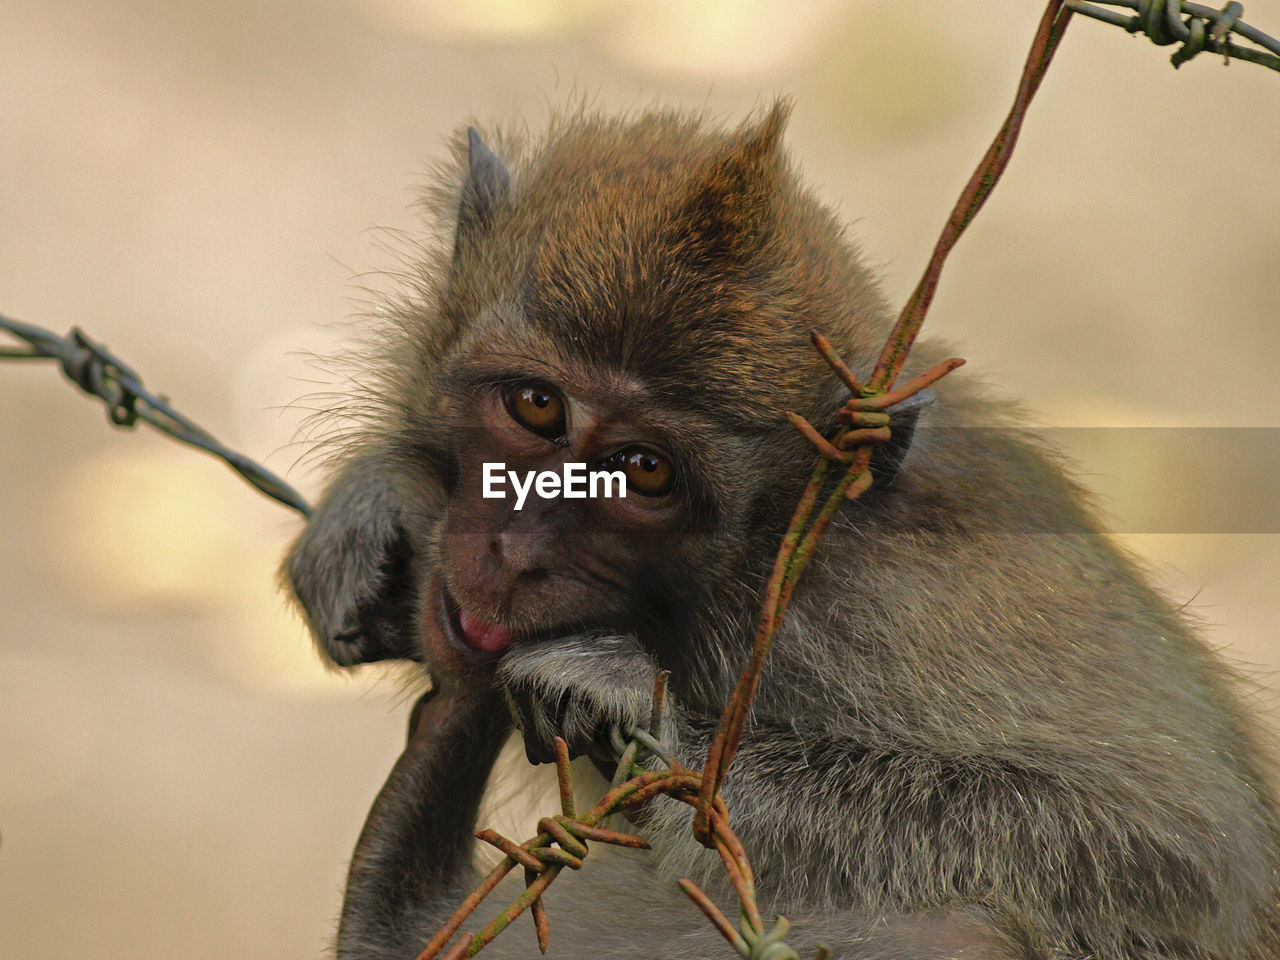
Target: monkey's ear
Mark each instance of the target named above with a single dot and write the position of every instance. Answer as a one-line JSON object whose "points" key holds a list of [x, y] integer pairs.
{"points": [[733, 200], [484, 190], [886, 459]]}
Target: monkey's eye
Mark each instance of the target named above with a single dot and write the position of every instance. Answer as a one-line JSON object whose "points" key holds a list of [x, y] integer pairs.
{"points": [[648, 473], [538, 409]]}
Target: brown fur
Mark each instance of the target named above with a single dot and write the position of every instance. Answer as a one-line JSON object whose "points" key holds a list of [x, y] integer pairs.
{"points": [[980, 732]]}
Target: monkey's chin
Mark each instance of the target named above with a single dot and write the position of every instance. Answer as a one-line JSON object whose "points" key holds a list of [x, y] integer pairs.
{"points": [[468, 630]]}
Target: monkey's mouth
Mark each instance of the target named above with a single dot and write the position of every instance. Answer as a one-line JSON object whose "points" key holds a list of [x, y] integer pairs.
{"points": [[469, 630]]}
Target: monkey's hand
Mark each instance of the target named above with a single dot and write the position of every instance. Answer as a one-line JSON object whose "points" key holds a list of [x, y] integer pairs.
{"points": [[580, 688], [351, 569]]}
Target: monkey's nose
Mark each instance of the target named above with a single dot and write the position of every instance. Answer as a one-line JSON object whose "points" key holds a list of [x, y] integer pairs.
{"points": [[520, 554]]}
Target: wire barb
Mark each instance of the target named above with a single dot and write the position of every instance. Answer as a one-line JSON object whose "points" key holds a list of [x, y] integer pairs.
{"points": [[93, 368], [1195, 27], [538, 910]]}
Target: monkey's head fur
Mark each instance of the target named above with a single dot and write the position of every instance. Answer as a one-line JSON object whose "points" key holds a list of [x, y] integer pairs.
{"points": [[656, 280]]}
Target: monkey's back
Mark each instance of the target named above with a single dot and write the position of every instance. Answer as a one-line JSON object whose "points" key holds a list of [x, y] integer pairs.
{"points": [[1015, 693]]}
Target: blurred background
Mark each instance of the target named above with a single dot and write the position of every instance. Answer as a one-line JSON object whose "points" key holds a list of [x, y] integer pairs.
{"points": [[210, 189]]}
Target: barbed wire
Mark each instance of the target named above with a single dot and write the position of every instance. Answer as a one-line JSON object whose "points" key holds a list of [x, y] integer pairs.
{"points": [[96, 371], [561, 841], [1203, 29]]}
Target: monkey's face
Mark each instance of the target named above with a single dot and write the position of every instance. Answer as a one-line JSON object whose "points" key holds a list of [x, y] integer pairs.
{"points": [[567, 501], [634, 300], [628, 305]]}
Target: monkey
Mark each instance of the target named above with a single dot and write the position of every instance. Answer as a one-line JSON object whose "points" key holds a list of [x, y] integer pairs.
{"points": [[980, 733]]}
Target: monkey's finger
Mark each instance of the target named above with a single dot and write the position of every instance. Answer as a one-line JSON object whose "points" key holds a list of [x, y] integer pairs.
{"points": [[523, 715], [583, 727], [547, 718]]}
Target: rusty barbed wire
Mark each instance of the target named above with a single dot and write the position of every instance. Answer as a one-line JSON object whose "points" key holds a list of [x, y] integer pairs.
{"points": [[92, 368], [864, 421], [863, 418], [562, 842], [1203, 29]]}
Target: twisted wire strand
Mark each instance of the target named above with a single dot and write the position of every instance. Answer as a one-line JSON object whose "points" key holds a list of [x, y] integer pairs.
{"points": [[1203, 29], [93, 368]]}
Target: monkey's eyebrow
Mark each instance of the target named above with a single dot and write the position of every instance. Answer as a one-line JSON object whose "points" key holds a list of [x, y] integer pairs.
{"points": [[600, 388], [492, 364]]}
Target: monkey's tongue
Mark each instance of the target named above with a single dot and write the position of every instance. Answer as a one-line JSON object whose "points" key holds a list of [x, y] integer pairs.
{"points": [[488, 637]]}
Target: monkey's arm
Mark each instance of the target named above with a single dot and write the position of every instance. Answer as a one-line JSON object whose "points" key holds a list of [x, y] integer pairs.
{"points": [[414, 854]]}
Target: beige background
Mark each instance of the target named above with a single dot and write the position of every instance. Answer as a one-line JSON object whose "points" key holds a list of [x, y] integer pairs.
{"points": [[203, 186]]}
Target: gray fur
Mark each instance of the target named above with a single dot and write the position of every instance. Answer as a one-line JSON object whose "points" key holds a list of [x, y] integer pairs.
{"points": [[980, 732], [342, 571], [578, 688]]}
